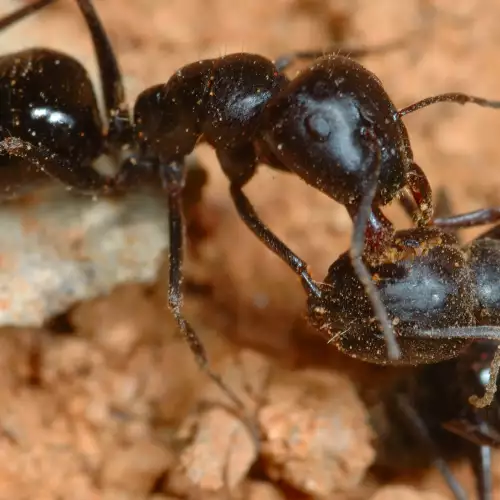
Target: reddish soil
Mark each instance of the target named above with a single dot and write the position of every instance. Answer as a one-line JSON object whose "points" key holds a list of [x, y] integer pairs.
{"points": [[116, 408]]}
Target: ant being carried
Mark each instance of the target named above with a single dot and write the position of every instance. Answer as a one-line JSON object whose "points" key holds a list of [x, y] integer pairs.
{"points": [[333, 125], [428, 279]]}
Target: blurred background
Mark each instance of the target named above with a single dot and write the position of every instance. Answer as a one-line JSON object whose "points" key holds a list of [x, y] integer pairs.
{"points": [[116, 384]]}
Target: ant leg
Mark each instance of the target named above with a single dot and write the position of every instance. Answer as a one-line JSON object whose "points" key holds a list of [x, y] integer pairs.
{"points": [[420, 431], [470, 219], [481, 464], [442, 205], [459, 332], [284, 61], [239, 165], [20, 14], [82, 179], [120, 127], [457, 97], [253, 222], [361, 220], [421, 191], [173, 180]]}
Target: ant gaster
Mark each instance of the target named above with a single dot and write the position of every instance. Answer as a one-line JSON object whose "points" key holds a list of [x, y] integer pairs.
{"points": [[333, 125]]}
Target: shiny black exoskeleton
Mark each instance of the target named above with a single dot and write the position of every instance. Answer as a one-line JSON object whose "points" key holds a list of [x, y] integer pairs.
{"points": [[334, 126], [50, 117], [439, 296]]}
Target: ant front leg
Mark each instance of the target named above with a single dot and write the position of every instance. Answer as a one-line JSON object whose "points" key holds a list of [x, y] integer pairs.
{"points": [[173, 179], [361, 213], [239, 165], [83, 179]]}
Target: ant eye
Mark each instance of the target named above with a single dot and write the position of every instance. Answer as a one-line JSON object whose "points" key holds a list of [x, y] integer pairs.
{"points": [[317, 127]]}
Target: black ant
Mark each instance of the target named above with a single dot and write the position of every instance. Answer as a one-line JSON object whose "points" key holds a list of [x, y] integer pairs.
{"points": [[333, 125]]}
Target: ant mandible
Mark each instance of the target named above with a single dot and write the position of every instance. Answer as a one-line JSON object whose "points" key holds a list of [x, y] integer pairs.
{"points": [[333, 125]]}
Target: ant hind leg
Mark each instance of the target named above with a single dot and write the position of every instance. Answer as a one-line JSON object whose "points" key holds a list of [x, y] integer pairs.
{"points": [[173, 180]]}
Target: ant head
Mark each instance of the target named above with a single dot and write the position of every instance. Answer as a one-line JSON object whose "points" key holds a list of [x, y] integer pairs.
{"points": [[424, 283], [317, 126]]}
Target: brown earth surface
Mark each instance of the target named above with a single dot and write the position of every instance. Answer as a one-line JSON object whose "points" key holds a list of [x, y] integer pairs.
{"points": [[113, 406]]}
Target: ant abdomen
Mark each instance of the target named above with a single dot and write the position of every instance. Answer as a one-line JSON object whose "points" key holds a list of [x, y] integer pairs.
{"points": [[220, 99], [47, 99], [317, 127], [424, 282]]}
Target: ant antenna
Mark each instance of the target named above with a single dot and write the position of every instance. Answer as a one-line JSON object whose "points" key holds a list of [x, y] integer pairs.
{"points": [[457, 97], [20, 14]]}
